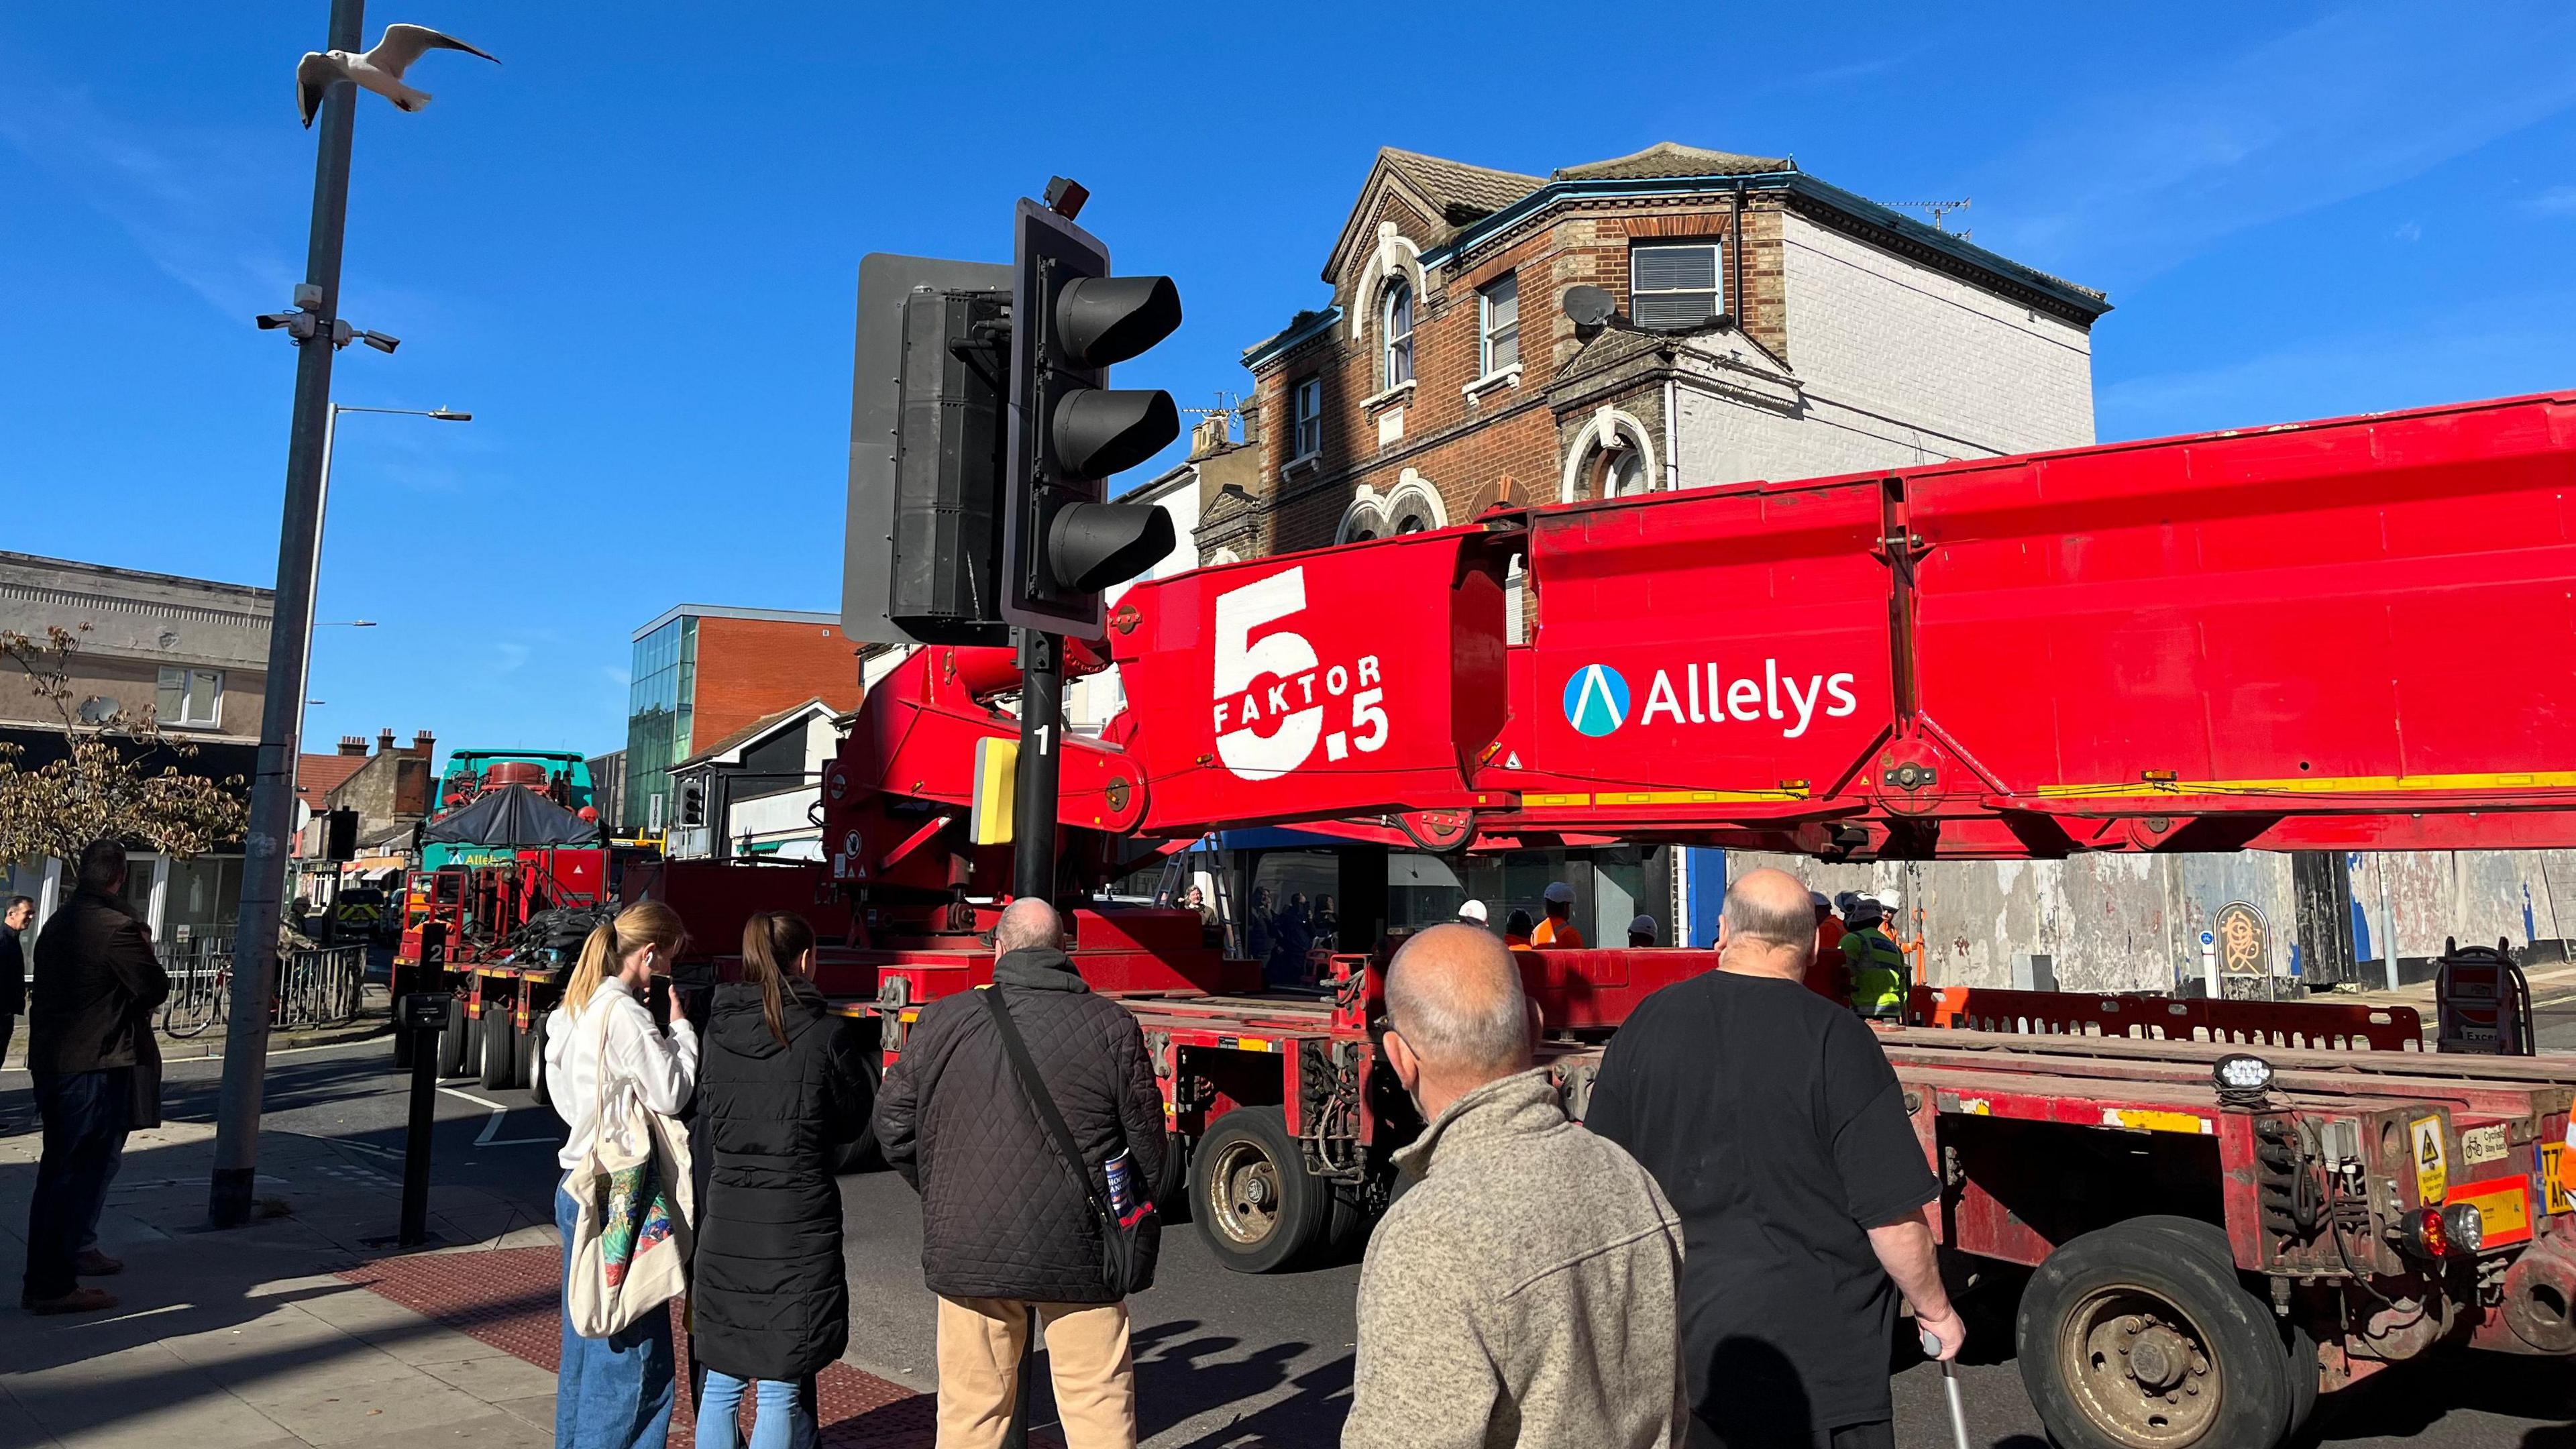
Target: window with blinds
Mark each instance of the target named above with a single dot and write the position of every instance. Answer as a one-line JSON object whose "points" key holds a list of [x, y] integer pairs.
{"points": [[1672, 288], [1310, 418], [1397, 320]]}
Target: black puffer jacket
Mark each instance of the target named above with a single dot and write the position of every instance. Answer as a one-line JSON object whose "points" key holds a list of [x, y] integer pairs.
{"points": [[767, 1292], [1000, 1215]]}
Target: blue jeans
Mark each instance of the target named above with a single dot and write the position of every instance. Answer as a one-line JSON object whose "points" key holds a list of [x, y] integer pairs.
{"points": [[779, 1420], [616, 1392], [86, 1115]]}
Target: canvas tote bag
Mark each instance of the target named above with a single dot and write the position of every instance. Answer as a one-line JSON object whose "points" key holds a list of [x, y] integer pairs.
{"points": [[631, 1240]]}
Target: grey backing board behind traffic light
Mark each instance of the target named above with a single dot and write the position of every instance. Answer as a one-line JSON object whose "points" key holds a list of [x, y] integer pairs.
{"points": [[875, 415]]}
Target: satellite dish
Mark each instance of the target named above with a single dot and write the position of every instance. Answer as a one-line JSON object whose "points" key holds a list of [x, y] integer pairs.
{"points": [[1590, 306]]}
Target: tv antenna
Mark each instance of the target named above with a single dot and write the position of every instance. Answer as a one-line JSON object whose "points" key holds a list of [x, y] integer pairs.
{"points": [[1228, 409], [1937, 210]]}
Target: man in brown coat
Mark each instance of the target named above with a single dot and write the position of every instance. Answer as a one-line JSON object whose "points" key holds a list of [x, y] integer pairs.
{"points": [[96, 988]]}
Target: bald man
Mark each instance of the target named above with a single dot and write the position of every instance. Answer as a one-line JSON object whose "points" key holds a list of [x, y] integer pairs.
{"points": [[1771, 1119], [1521, 1292], [1005, 1231]]}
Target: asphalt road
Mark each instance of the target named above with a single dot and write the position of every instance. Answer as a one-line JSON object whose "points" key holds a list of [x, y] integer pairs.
{"points": [[1225, 1361]]}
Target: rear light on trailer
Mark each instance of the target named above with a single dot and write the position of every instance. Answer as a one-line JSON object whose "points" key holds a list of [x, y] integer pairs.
{"points": [[2423, 1234]]}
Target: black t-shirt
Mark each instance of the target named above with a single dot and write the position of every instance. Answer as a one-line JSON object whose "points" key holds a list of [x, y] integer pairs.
{"points": [[1772, 1121]]}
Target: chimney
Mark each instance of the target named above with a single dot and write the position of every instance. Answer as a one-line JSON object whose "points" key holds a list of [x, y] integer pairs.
{"points": [[384, 742], [1212, 435], [1250, 412], [424, 744], [352, 745]]}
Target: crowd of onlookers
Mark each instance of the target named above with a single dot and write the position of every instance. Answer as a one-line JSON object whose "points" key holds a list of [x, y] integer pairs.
{"points": [[1714, 1255]]}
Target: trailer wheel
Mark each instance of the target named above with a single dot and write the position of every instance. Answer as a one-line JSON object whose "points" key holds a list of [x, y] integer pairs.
{"points": [[532, 1058], [860, 1153], [1254, 1203], [2301, 1348], [2127, 1343], [452, 1043], [500, 1036]]}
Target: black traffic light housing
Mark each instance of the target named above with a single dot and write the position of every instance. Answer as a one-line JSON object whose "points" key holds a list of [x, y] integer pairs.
{"points": [[922, 559], [1063, 541]]}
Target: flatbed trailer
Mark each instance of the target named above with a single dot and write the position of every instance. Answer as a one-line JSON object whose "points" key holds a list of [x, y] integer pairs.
{"points": [[2107, 649]]}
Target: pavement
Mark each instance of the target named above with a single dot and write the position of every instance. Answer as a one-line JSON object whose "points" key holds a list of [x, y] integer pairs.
{"points": [[306, 1327], [301, 1330]]}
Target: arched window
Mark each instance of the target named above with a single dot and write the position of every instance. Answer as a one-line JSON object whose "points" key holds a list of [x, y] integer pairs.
{"points": [[1396, 315], [1412, 521], [1623, 473]]}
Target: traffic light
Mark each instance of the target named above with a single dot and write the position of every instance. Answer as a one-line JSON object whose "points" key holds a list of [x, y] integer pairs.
{"points": [[693, 802], [1063, 541], [922, 558]]}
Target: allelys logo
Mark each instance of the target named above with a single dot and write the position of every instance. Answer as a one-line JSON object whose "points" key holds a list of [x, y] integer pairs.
{"points": [[1292, 707], [1596, 698]]}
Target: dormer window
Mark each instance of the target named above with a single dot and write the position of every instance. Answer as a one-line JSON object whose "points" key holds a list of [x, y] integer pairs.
{"points": [[1395, 317]]}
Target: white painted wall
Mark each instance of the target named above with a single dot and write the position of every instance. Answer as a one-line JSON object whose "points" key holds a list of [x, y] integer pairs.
{"points": [[1896, 364]]}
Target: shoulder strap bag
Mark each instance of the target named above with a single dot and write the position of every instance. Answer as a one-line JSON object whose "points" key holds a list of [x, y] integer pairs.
{"points": [[1131, 1243], [630, 1245]]}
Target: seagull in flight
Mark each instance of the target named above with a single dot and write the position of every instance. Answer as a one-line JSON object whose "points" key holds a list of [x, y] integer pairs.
{"points": [[379, 70]]}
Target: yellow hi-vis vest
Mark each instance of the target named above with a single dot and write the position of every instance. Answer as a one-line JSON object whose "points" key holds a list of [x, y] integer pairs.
{"points": [[1877, 971]]}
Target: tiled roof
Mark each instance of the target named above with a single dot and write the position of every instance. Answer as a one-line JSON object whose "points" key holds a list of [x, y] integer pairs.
{"points": [[1457, 185], [316, 776], [1671, 158]]}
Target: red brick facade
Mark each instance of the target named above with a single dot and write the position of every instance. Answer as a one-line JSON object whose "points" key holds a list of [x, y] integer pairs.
{"points": [[749, 669], [1449, 231]]}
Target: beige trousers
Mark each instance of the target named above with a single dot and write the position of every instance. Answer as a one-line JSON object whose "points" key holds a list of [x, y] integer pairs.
{"points": [[979, 1370]]}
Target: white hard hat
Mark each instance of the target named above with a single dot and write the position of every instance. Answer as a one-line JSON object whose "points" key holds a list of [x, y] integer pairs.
{"points": [[1642, 926], [1559, 893], [1472, 911]]}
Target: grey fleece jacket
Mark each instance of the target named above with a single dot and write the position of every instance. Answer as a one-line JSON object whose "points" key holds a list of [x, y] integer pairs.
{"points": [[1521, 1293]]}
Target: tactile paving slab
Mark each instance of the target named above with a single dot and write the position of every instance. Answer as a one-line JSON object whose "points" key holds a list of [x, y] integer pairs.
{"points": [[510, 1298]]}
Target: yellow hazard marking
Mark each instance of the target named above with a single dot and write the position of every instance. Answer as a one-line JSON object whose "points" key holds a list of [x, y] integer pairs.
{"points": [[2319, 785], [1541, 802], [2504, 1209], [2553, 1177], [1662, 797], [912, 1016], [2143, 1120], [1244, 1043], [2432, 1171], [1976, 1106]]}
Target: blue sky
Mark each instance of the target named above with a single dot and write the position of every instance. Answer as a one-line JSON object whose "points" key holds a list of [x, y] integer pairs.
{"points": [[633, 256]]}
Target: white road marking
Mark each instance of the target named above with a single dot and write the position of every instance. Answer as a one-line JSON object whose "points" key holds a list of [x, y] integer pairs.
{"points": [[491, 1129]]}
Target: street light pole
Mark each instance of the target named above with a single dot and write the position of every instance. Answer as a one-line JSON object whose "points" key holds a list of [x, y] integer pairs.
{"points": [[272, 796]]}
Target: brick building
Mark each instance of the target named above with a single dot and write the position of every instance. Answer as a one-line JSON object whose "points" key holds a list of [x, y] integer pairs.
{"points": [[1768, 325], [702, 672]]}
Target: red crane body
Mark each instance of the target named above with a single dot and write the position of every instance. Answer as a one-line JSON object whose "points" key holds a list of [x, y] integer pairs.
{"points": [[2357, 633]]}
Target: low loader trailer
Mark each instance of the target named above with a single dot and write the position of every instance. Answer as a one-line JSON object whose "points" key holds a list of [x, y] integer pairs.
{"points": [[2220, 1209]]}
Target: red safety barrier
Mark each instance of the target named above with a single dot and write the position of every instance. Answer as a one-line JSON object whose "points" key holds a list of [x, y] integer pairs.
{"points": [[2325, 1025]]}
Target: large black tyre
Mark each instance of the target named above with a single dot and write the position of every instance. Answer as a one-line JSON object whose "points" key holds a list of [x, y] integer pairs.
{"points": [[532, 1058], [861, 1153], [500, 1042], [2134, 1337], [1250, 1193], [2211, 1239], [452, 1043]]}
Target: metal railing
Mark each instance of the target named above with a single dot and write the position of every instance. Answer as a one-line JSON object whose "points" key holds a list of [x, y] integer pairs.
{"points": [[315, 987]]}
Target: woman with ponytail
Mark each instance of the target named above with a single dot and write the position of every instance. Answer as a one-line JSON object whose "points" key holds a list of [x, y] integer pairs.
{"points": [[785, 1085], [616, 1392]]}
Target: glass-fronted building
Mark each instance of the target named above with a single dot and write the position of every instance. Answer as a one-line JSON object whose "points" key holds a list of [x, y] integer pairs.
{"points": [[660, 707], [703, 671]]}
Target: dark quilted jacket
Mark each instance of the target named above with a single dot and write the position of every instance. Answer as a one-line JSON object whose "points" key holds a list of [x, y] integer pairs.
{"points": [[767, 1292], [1001, 1216]]}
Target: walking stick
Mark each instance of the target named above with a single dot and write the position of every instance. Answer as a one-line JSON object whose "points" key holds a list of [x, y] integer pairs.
{"points": [[1950, 1383]]}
